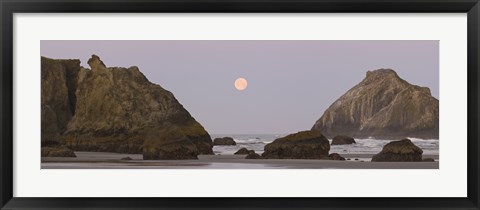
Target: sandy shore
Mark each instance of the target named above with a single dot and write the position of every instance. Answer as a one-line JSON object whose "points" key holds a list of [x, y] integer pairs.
{"points": [[104, 160]]}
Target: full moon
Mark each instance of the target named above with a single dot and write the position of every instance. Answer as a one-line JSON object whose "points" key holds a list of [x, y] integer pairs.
{"points": [[241, 83]]}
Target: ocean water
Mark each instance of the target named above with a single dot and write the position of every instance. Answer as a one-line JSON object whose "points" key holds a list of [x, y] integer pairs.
{"points": [[363, 146]]}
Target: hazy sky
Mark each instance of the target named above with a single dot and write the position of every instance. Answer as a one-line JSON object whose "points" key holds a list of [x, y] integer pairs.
{"points": [[290, 83]]}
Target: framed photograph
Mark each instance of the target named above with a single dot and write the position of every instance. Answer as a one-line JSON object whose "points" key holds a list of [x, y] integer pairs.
{"points": [[258, 104]]}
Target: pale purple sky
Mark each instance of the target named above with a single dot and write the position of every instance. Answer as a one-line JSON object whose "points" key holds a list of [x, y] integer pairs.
{"points": [[290, 83]]}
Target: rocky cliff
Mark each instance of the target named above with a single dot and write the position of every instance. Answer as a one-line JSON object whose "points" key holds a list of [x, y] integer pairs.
{"points": [[382, 106], [110, 108], [57, 97]]}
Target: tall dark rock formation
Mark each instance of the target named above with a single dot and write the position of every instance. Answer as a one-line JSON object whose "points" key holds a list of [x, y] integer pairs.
{"points": [[59, 83], [111, 109], [382, 106]]}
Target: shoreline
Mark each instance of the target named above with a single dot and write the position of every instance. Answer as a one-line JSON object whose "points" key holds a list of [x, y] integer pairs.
{"points": [[106, 160]]}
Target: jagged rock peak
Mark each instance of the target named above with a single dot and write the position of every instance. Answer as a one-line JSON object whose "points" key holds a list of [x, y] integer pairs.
{"points": [[94, 62], [133, 72]]}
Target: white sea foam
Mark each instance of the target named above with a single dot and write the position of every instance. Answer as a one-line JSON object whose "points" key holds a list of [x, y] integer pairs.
{"points": [[363, 146], [373, 146]]}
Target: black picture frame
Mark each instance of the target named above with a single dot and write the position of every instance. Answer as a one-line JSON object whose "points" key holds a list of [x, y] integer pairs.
{"points": [[10, 7]]}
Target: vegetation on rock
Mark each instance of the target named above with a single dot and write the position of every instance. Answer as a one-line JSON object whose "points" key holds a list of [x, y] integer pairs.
{"points": [[301, 145], [399, 151]]}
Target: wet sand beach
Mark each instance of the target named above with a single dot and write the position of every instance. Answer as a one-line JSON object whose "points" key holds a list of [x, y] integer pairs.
{"points": [[105, 160]]}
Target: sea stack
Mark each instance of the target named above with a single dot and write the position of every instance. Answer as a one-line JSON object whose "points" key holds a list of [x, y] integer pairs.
{"points": [[382, 105], [113, 109]]}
